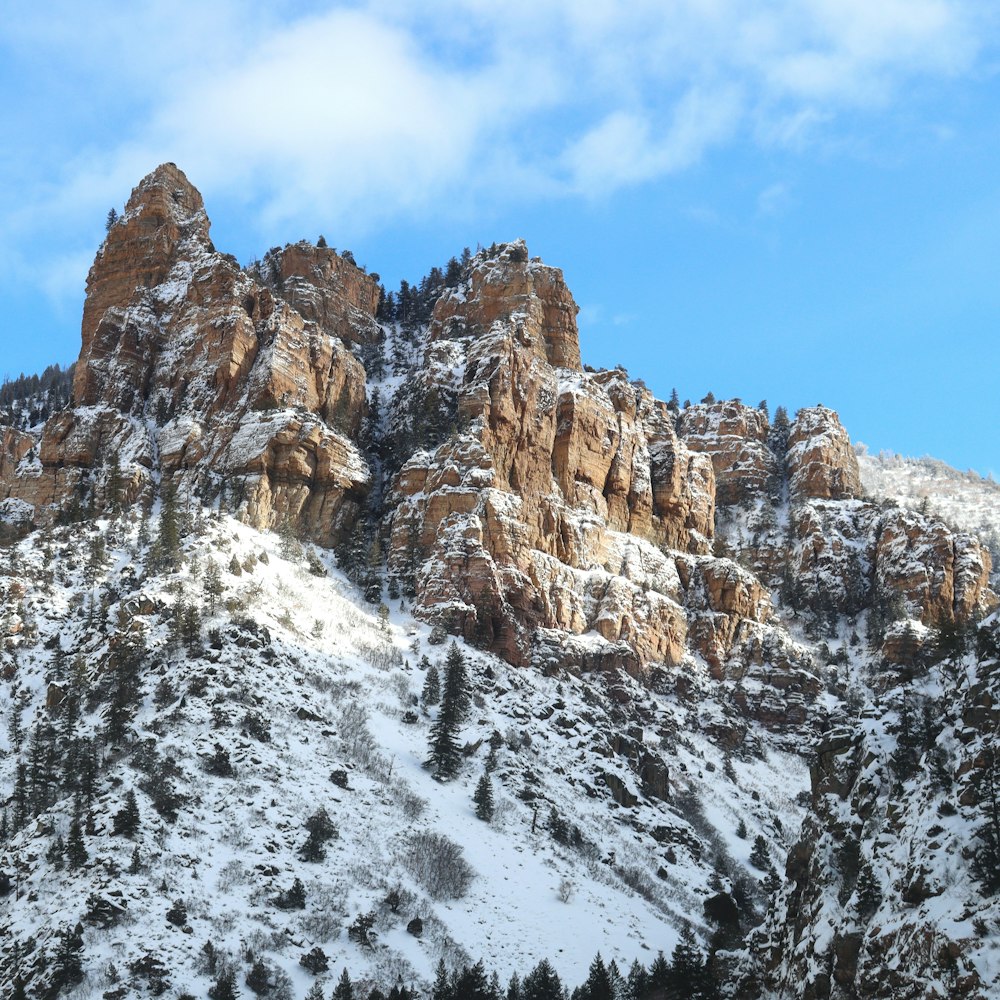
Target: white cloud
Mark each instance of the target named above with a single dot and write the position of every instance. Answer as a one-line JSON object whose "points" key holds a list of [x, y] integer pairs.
{"points": [[359, 112]]}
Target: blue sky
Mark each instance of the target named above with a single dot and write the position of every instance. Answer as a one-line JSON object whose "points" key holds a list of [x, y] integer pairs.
{"points": [[796, 200]]}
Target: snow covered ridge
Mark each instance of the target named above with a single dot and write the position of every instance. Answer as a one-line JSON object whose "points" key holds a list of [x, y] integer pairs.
{"points": [[964, 499], [177, 712]]}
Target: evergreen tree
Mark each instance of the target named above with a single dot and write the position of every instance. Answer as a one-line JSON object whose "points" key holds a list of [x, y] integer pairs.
{"points": [[213, 585], [225, 985], [869, 892], [76, 850], [167, 550], [456, 682], [637, 982], [760, 857], [56, 853], [126, 820], [67, 963], [986, 856], [685, 969], [259, 978], [445, 754], [542, 983], [441, 989], [320, 829], [483, 799], [472, 984], [111, 219], [659, 972], [431, 693], [598, 984], [905, 756], [315, 992], [344, 989]]}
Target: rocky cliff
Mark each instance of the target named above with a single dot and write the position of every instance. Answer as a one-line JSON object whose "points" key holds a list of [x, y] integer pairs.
{"points": [[889, 892], [558, 515], [195, 371]]}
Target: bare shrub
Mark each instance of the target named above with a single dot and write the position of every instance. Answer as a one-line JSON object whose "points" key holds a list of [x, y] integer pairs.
{"points": [[407, 801], [437, 864]]}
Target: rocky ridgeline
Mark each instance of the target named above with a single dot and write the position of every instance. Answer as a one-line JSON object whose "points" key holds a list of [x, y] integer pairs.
{"points": [[569, 518]]}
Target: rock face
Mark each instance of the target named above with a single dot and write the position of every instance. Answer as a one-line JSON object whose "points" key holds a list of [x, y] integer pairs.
{"points": [[821, 462], [191, 366], [735, 436], [567, 504], [859, 914], [557, 515]]}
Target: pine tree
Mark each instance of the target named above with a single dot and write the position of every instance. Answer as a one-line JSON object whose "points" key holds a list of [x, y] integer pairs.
{"points": [[225, 985], [168, 540], [598, 984], [685, 968], [126, 820], [67, 963], [659, 972], [320, 829], [637, 982], [259, 978], [483, 799], [445, 755], [456, 682], [869, 892], [76, 850], [986, 856], [213, 585], [111, 219], [441, 990], [760, 857], [431, 693], [472, 984], [542, 983], [344, 989], [315, 992]]}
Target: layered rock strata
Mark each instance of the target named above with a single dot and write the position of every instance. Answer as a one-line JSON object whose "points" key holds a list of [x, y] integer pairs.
{"points": [[193, 370]]}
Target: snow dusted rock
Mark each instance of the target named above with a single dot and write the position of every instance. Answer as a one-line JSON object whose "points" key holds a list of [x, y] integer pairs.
{"points": [[529, 295], [920, 927], [942, 573], [326, 289], [736, 438], [191, 367], [555, 505], [821, 462]]}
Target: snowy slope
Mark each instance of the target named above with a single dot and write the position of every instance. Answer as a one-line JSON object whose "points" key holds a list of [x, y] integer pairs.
{"points": [[964, 499], [292, 649]]}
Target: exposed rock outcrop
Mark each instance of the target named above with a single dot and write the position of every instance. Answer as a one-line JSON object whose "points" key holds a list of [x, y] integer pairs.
{"points": [[821, 462], [554, 514], [736, 438], [190, 366]]}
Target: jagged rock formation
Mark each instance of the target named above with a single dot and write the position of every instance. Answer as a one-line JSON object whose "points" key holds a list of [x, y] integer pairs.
{"points": [[566, 517], [192, 369], [736, 438], [821, 462]]}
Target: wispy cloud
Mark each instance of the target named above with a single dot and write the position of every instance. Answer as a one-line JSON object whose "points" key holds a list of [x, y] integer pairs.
{"points": [[358, 112]]}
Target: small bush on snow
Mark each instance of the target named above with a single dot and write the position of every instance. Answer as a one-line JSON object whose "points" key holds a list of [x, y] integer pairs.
{"points": [[437, 864]]}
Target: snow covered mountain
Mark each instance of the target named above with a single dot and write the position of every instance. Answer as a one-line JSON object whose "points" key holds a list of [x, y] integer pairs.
{"points": [[355, 631]]}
